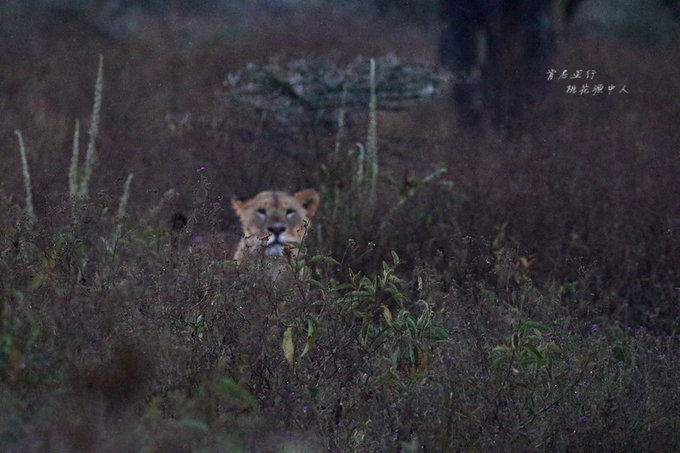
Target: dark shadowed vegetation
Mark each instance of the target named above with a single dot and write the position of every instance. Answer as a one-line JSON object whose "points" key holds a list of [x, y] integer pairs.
{"points": [[459, 291]]}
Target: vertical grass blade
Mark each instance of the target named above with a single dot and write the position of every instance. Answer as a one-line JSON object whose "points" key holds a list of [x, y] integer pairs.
{"points": [[27, 176], [341, 125], [94, 130], [361, 156], [372, 137], [122, 205], [73, 168]]}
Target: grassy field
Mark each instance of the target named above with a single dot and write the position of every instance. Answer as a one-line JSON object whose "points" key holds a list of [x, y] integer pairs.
{"points": [[492, 293]]}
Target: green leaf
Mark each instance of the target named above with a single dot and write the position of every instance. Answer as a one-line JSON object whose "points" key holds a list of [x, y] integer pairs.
{"points": [[514, 341], [530, 347], [619, 353], [379, 337], [288, 346], [437, 333], [394, 358], [343, 286], [387, 314], [363, 335], [35, 283], [502, 349], [410, 322], [364, 294], [195, 425], [311, 338], [424, 319], [324, 260], [395, 258], [317, 284], [366, 282], [535, 325], [228, 386], [555, 349]]}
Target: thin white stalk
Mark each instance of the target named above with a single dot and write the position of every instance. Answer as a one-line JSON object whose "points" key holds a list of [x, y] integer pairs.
{"points": [[90, 157], [27, 176], [122, 206], [341, 125], [360, 163], [372, 138], [73, 169], [124, 198]]}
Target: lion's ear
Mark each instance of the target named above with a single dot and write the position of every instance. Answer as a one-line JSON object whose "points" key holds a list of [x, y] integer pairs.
{"points": [[239, 206], [309, 199]]}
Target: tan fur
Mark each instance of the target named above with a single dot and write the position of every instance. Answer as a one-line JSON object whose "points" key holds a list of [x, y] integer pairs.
{"points": [[271, 221]]}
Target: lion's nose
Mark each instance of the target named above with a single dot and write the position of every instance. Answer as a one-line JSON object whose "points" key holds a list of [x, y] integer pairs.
{"points": [[276, 230]]}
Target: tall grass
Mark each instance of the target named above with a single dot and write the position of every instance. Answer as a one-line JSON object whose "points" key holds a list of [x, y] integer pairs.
{"points": [[73, 168], [122, 205], [372, 137], [90, 156], [27, 176]]}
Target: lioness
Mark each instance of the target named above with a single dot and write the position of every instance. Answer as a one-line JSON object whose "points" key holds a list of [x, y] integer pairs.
{"points": [[271, 221]]}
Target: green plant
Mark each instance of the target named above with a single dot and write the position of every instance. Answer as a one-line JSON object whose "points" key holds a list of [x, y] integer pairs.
{"points": [[405, 338], [529, 353]]}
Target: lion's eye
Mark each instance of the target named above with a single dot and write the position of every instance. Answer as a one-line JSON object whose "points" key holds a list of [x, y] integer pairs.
{"points": [[290, 212], [261, 212]]}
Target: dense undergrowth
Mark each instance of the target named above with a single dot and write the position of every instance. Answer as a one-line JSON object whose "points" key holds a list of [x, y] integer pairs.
{"points": [[484, 294]]}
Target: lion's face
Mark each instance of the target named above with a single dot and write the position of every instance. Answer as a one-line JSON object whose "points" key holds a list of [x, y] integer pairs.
{"points": [[272, 220]]}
